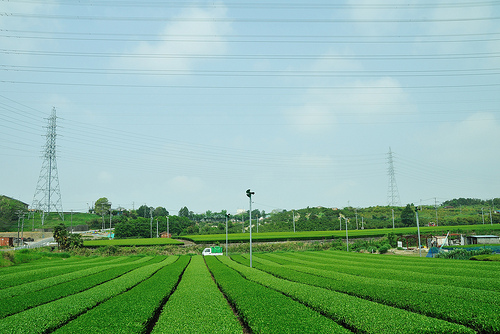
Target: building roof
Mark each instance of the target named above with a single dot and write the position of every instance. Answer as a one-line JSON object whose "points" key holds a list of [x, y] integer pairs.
{"points": [[483, 236]]}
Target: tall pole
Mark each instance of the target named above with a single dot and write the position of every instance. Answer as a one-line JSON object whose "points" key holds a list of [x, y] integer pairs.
{"points": [[340, 223], [435, 206], [249, 194], [293, 215], [346, 234], [168, 231], [418, 230], [150, 222], [22, 230], [227, 216], [257, 222], [482, 214], [356, 212], [491, 217], [110, 216], [393, 219]]}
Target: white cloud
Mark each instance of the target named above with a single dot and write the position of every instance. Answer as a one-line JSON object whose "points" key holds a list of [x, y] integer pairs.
{"points": [[105, 177], [186, 185], [375, 100], [177, 35], [476, 137]]}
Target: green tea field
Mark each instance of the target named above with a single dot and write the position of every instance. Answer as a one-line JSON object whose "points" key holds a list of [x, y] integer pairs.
{"points": [[287, 292]]}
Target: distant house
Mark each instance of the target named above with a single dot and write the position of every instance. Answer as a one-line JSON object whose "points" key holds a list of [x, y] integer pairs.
{"points": [[7, 241], [482, 239], [165, 235]]}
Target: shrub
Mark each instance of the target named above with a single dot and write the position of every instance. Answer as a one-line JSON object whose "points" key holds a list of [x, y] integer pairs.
{"points": [[384, 248]]}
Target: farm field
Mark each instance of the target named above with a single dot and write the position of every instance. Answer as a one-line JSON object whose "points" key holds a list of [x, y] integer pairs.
{"points": [[318, 235], [131, 242], [287, 292]]}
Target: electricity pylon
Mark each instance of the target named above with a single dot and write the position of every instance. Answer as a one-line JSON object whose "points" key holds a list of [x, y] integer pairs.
{"points": [[392, 194], [47, 194]]}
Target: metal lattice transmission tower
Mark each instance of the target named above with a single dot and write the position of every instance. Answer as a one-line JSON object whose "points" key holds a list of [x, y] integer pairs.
{"points": [[393, 193], [47, 194]]}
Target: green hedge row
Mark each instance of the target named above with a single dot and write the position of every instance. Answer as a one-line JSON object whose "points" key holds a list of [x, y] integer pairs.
{"points": [[197, 306], [55, 280], [416, 264], [23, 302], [391, 272], [46, 262], [360, 315], [265, 310], [22, 277], [47, 317], [474, 308], [131, 311], [132, 242]]}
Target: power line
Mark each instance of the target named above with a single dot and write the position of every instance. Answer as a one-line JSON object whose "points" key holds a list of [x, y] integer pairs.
{"points": [[241, 19]]}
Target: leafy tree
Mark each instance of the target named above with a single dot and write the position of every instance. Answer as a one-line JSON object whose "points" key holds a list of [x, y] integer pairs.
{"points": [[184, 212], [74, 241], [102, 206], [408, 216], [137, 228], [144, 211], [60, 235], [160, 212]]}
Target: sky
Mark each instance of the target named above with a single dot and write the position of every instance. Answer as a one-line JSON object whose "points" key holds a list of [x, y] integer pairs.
{"points": [[190, 103]]}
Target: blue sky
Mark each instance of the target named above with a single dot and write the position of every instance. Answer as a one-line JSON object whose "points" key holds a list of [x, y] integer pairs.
{"points": [[191, 103]]}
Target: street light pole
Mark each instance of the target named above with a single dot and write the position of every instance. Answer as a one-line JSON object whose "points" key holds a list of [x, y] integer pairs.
{"points": [[418, 230], [249, 194], [227, 216], [346, 234]]}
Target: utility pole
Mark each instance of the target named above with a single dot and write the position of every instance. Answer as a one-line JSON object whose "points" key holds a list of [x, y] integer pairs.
{"points": [[110, 215], [168, 231], [346, 234], [356, 213], [435, 206], [293, 217], [418, 229], [491, 217], [157, 227], [227, 217], [20, 214], [249, 194], [482, 214], [151, 222], [257, 222], [340, 222], [362, 223], [393, 219], [22, 229], [71, 223], [102, 214]]}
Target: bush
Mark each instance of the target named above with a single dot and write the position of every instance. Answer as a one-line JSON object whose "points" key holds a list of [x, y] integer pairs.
{"points": [[463, 254], [384, 248]]}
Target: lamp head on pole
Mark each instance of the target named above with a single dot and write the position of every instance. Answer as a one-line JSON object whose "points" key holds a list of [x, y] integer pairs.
{"points": [[250, 193]]}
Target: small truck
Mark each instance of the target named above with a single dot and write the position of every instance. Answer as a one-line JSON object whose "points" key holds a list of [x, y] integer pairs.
{"points": [[217, 250]]}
